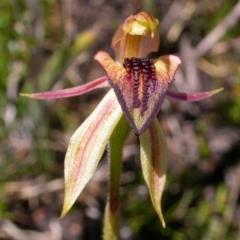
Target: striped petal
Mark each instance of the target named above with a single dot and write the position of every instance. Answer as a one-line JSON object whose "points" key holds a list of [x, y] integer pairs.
{"points": [[87, 146], [154, 160]]}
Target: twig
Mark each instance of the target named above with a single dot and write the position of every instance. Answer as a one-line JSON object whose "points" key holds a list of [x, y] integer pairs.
{"points": [[209, 41]]}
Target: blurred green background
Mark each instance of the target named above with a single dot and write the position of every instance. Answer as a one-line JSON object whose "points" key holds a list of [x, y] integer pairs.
{"points": [[50, 44]]}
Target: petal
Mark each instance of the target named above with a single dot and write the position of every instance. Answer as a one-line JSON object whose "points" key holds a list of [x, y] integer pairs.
{"points": [[141, 24], [141, 98], [110, 67], [69, 92], [153, 160], [87, 146], [192, 97], [136, 37], [166, 67]]}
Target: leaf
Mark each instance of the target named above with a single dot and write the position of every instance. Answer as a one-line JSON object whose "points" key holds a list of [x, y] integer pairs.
{"points": [[153, 161], [87, 146]]}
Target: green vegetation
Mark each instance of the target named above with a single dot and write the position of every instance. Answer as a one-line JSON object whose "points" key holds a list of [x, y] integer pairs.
{"points": [[50, 44]]}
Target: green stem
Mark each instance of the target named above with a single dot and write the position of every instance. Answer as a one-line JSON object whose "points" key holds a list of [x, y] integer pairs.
{"points": [[111, 219]]}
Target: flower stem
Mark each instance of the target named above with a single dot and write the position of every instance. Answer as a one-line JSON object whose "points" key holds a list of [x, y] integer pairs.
{"points": [[111, 218]]}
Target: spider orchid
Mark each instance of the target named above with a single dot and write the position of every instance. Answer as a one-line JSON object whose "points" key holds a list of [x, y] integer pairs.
{"points": [[139, 87]]}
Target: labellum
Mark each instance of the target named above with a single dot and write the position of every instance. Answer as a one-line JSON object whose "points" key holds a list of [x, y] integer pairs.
{"points": [[140, 93]]}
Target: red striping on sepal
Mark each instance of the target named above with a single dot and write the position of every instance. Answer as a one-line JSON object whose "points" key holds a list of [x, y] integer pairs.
{"points": [[141, 73]]}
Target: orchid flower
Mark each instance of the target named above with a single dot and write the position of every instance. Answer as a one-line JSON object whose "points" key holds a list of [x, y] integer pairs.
{"points": [[139, 87]]}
